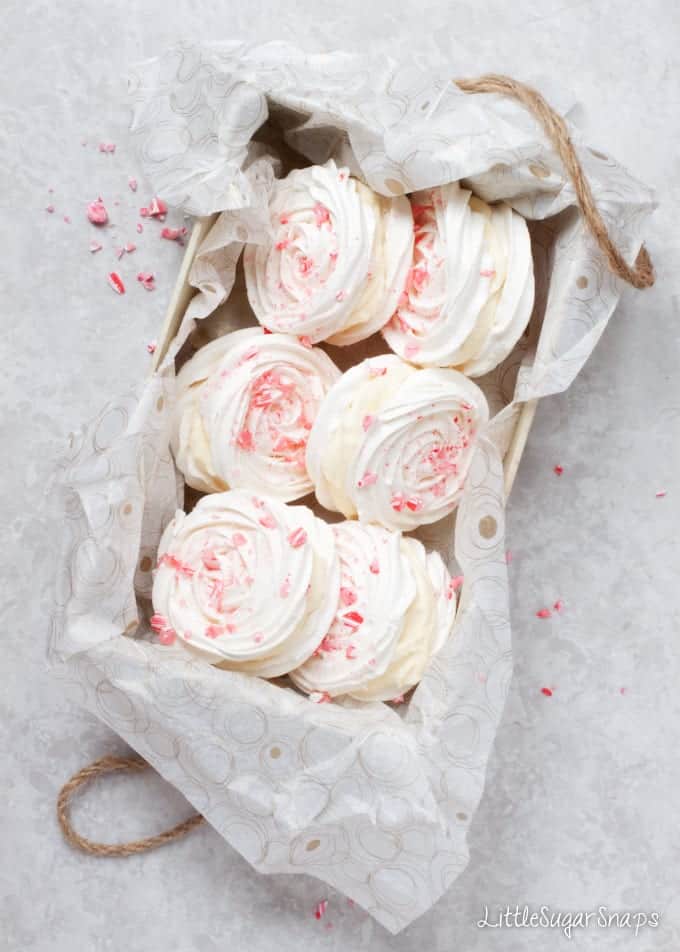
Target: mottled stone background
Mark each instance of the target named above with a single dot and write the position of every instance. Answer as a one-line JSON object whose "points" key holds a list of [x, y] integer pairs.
{"points": [[581, 807]]}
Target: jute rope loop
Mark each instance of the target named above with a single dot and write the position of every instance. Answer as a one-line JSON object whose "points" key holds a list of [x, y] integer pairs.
{"points": [[640, 276], [109, 765], [555, 128]]}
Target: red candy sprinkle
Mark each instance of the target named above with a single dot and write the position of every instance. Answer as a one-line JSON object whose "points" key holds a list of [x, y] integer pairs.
{"points": [[353, 620], [297, 537], [147, 279], [245, 441], [107, 147], [132, 184], [375, 567], [544, 613], [116, 283], [558, 470], [320, 697], [367, 421], [50, 209], [351, 652], [546, 691], [347, 596], [173, 234], [157, 209], [559, 605], [368, 479], [320, 910], [95, 246], [151, 346], [167, 637], [660, 493], [97, 213], [158, 622]]}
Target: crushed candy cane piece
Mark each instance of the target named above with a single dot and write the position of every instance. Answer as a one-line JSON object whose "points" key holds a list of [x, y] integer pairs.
{"points": [[173, 234], [546, 691], [544, 613], [50, 209], [347, 596], [508, 557], [455, 583], [268, 521], [558, 470], [67, 219], [320, 697], [351, 652], [156, 209], [238, 539], [399, 699], [306, 341], [374, 567], [297, 537], [367, 421], [95, 246], [130, 247], [167, 636], [116, 283], [132, 184], [109, 147], [559, 605], [660, 493], [140, 227], [353, 620], [368, 479], [158, 622], [151, 346], [97, 213], [120, 252], [147, 278]]}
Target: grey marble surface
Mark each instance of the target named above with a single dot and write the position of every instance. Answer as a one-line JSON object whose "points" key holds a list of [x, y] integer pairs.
{"points": [[581, 806]]}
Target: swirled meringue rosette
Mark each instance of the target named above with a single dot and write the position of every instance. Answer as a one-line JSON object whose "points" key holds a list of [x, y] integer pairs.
{"points": [[396, 610], [337, 261], [246, 405], [470, 292], [244, 580], [392, 444]]}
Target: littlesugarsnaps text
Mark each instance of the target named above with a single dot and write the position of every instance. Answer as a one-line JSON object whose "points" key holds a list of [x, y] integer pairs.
{"points": [[544, 917]]}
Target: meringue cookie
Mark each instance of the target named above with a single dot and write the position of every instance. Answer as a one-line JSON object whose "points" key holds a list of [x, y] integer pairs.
{"points": [[427, 624], [392, 444], [338, 257], [376, 589], [244, 581], [470, 292], [245, 407], [397, 608]]}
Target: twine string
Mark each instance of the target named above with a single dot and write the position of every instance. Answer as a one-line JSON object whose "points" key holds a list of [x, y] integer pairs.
{"points": [[641, 275], [85, 776]]}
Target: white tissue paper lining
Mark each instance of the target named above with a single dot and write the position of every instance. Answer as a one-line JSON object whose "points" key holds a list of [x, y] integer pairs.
{"points": [[374, 801]]}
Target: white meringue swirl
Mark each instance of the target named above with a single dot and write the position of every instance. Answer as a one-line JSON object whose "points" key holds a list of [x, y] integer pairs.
{"points": [[246, 405], [244, 581], [470, 292], [337, 260], [392, 443], [397, 608]]}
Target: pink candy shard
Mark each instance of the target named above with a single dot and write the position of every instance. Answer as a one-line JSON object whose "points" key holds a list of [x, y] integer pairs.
{"points": [[321, 215], [660, 493], [559, 605], [97, 213], [351, 652], [129, 248], [50, 209], [151, 346], [95, 246], [132, 184], [258, 638], [487, 273], [375, 567], [214, 631], [414, 504], [116, 283], [140, 227], [320, 909], [320, 697], [244, 440], [238, 539], [306, 341], [284, 591], [367, 421], [158, 622], [453, 586], [147, 279], [297, 537], [268, 521], [368, 479], [353, 620], [167, 636], [544, 613], [558, 470], [210, 561], [347, 596], [377, 371], [173, 234], [157, 209], [107, 147]]}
